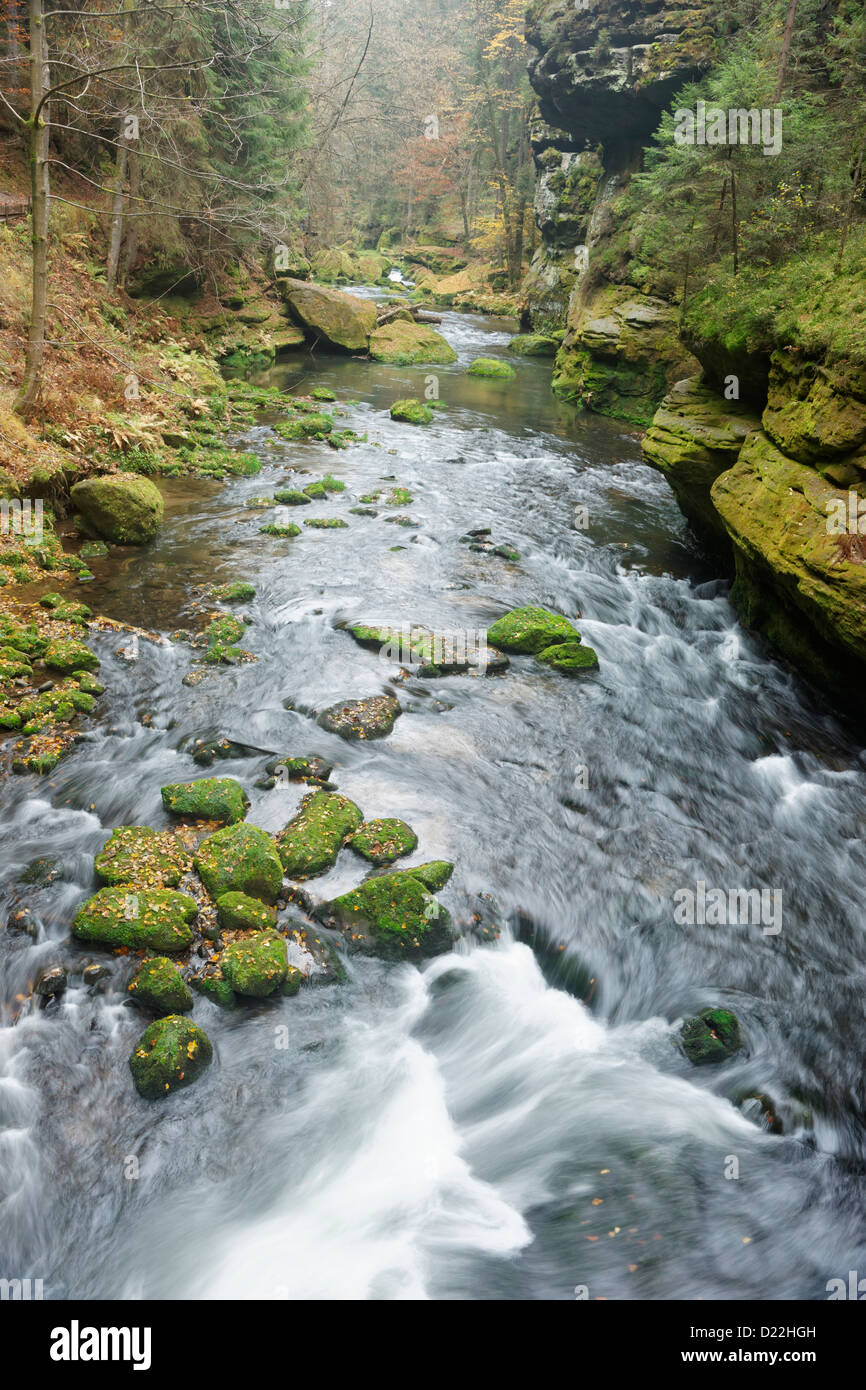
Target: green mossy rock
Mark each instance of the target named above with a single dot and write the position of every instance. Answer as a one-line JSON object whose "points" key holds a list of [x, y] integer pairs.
{"points": [[290, 498], [87, 683], [361, 719], [122, 507], [212, 985], [284, 532], [233, 593], [341, 321], [240, 859], [257, 966], [171, 1054], [534, 345], [211, 798], [157, 985], [383, 841], [434, 875], [310, 769], [569, 658], [531, 630], [238, 912], [326, 523], [65, 654], [412, 412], [490, 366], [322, 393], [224, 631], [407, 344], [393, 916], [310, 843], [155, 919], [712, 1037], [137, 855]]}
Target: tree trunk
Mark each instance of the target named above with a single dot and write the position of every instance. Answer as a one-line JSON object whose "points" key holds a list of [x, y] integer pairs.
{"points": [[735, 229], [116, 215], [38, 124], [131, 247], [786, 49], [849, 216]]}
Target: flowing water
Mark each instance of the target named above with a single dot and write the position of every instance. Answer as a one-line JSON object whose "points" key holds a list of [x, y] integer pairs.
{"points": [[471, 1129]]}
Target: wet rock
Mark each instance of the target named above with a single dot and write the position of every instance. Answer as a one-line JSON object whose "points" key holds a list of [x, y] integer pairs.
{"points": [[531, 630], [490, 367], [320, 523], [157, 985], [305, 769], [171, 1054], [310, 843], [353, 720], [95, 972], [238, 912], [121, 507], [240, 859], [155, 919], [22, 920], [211, 798], [51, 980], [257, 966], [342, 321], [283, 532], [146, 858], [403, 342], [211, 983], [534, 345], [233, 593], [392, 916], [712, 1037], [41, 872], [412, 412], [66, 655], [569, 658], [434, 875], [288, 497], [383, 841], [762, 1110]]}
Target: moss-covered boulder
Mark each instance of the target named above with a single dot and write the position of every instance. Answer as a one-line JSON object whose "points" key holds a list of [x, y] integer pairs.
{"points": [[383, 841], [66, 655], [359, 720], [289, 497], [257, 966], [138, 855], [158, 985], [434, 875], [238, 912], [569, 658], [240, 859], [712, 1037], [210, 798], [212, 984], [534, 345], [238, 592], [154, 919], [490, 366], [340, 321], [531, 630], [406, 343], [308, 769], [121, 507], [332, 264], [170, 1055], [412, 412], [310, 843], [393, 916]]}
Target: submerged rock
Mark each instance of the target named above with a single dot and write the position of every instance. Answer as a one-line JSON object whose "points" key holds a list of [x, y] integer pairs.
{"points": [[157, 985], [137, 855], [310, 843], [210, 798], [383, 841], [155, 919], [170, 1055], [712, 1037], [361, 719], [393, 916], [121, 507], [257, 966], [240, 859]]}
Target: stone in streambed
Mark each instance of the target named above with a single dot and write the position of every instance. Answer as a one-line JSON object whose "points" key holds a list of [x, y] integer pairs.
{"points": [[532, 630], [712, 1037], [310, 843], [393, 916], [212, 984], [121, 507], [341, 321], [156, 919], [383, 841], [240, 859], [412, 412], [288, 497], [257, 966], [66, 655], [238, 912], [233, 593], [157, 985], [137, 855], [402, 342], [534, 345], [568, 658], [170, 1055], [490, 367], [434, 875], [361, 719], [210, 798], [309, 769]]}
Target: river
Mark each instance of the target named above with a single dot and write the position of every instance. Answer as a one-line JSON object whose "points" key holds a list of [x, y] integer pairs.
{"points": [[472, 1129]]}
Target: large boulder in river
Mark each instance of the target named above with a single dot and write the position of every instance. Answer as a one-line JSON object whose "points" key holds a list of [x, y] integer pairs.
{"points": [[310, 843], [342, 321], [171, 1054], [155, 919], [141, 856], [120, 507], [361, 719], [405, 343], [240, 859], [158, 985], [531, 630], [257, 965], [209, 798], [394, 916]]}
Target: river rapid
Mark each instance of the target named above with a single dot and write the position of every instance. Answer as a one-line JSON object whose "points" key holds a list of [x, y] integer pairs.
{"points": [[512, 1120]]}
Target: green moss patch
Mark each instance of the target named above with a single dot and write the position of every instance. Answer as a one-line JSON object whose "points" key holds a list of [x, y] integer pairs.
{"points": [[393, 916], [210, 798], [157, 985], [490, 367], [412, 412], [238, 912], [310, 843], [65, 654], [240, 859], [137, 855], [383, 841], [712, 1037], [156, 919], [257, 966], [170, 1055]]}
